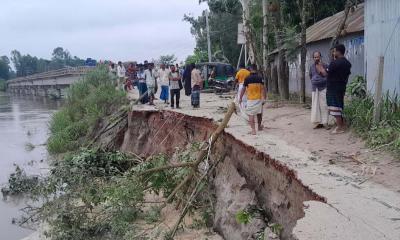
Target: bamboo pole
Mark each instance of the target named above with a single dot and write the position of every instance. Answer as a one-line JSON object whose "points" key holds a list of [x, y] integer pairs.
{"points": [[378, 91]]}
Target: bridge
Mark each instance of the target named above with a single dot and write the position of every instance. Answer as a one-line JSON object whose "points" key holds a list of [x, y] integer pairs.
{"points": [[47, 83]]}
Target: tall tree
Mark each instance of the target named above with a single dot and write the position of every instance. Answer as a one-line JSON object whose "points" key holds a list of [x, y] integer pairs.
{"points": [[5, 69], [302, 6], [167, 59], [27, 64], [223, 19], [283, 80]]}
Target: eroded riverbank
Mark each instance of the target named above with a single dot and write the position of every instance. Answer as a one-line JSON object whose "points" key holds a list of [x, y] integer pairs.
{"points": [[338, 188]]}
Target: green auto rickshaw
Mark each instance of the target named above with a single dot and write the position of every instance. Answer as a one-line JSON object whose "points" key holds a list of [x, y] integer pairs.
{"points": [[218, 76]]}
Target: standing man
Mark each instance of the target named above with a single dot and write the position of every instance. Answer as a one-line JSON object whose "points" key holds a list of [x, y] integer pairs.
{"points": [[319, 108], [121, 75], [241, 75], [197, 84], [142, 86], [187, 79], [151, 82], [175, 85], [253, 86], [338, 73], [163, 75], [113, 72]]}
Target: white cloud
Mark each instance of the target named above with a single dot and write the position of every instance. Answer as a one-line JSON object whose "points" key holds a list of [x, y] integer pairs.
{"points": [[117, 30]]}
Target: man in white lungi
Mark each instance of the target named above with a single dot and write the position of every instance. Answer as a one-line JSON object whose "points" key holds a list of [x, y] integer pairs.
{"points": [[254, 89], [319, 108]]}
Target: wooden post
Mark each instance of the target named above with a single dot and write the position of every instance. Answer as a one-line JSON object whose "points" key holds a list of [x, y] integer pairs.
{"points": [[265, 41], [378, 91]]}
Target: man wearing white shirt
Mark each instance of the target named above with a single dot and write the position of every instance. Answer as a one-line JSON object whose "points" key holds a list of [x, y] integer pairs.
{"points": [[163, 75], [121, 74], [150, 77]]}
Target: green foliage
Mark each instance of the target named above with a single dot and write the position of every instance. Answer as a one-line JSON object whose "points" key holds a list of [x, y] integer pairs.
{"points": [[88, 100], [226, 14], [153, 214], [100, 198], [276, 228], [5, 69], [19, 183], [243, 217], [27, 64], [357, 87], [167, 59], [291, 43], [163, 181], [386, 133], [94, 194], [197, 57], [223, 20]]}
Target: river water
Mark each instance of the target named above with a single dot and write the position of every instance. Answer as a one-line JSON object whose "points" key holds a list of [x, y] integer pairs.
{"points": [[23, 122]]}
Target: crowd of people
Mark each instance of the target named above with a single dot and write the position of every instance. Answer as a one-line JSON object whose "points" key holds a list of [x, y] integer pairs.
{"points": [[328, 83], [328, 87], [148, 79]]}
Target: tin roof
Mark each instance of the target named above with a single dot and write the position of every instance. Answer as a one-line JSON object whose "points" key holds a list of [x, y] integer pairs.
{"points": [[326, 28]]}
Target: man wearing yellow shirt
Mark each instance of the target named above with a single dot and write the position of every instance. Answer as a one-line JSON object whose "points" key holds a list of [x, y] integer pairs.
{"points": [[241, 75], [254, 88]]}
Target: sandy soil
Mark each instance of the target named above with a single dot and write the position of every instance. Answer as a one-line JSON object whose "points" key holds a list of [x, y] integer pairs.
{"points": [[292, 123]]}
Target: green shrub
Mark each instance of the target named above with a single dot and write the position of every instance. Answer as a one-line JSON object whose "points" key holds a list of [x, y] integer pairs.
{"points": [[88, 100], [359, 113], [357, 87]]}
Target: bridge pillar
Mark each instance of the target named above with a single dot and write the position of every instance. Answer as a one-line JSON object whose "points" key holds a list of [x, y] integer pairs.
{"points": [[35, 91], [46, 91]]}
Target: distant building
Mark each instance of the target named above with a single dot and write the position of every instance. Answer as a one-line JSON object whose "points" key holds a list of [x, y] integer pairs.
{"points": [[319, 37], [382, 38]]}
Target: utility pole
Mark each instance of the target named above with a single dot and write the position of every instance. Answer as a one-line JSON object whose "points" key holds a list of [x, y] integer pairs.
{"points": [[208, 37]]}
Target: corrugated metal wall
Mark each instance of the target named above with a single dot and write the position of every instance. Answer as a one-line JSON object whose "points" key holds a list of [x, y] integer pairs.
{"points": [[382, 37], [355, 54]]}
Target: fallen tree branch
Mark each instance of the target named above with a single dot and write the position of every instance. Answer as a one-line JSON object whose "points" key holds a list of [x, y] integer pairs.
{"points": [[159, 169], [194, 194], [203, 152]]}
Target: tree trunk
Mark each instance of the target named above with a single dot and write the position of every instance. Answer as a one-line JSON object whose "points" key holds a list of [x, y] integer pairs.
{"points": [[342, 24], [274, 80], [303, 53], [266, 69], [283, 82]]}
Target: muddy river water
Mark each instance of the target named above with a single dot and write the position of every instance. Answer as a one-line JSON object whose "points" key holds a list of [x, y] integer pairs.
{"points": [[23, 132]]}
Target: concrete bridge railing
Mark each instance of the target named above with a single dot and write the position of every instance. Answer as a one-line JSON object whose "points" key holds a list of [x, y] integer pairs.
{"points": [[52, 82]]}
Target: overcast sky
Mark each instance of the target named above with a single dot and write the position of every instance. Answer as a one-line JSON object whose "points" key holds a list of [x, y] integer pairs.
{"points": [[113, 29]]}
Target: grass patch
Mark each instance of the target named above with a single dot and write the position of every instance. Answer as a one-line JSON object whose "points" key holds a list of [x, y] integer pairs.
{"points": [[359, 114], [88, 100]]}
